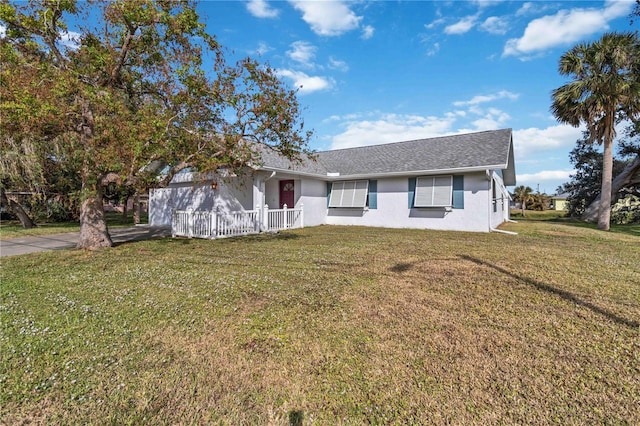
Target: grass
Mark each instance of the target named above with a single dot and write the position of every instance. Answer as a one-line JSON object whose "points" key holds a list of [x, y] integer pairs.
{"points": [[561, 217], [13, 228], [328, 325]]}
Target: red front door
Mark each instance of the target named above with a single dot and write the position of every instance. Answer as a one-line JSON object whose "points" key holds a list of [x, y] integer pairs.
{"points": [[286, 194]]}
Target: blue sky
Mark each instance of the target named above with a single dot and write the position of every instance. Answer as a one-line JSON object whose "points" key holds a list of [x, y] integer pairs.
{"points": [[373, 72]]}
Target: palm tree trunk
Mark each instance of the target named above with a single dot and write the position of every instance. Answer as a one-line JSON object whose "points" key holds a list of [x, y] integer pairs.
{"points": [[604, 217]]}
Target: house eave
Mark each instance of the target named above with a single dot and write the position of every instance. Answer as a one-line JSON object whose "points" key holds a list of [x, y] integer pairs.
{"points": [[293, 172], [410, 173]]}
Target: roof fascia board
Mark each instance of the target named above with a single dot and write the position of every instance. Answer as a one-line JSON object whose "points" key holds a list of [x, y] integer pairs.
{"points": [[389, 174], [293, 172]]}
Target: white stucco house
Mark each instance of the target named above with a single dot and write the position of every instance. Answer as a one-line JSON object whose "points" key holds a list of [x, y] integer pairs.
{"points": [[453, 182]]}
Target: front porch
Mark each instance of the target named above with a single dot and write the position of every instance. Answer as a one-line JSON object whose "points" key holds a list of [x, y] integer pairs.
{"points": [[221, 224]]}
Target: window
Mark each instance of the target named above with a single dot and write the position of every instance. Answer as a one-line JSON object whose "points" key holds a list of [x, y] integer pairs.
{"points": [[352, 193], [434, 191], [457, 201]]}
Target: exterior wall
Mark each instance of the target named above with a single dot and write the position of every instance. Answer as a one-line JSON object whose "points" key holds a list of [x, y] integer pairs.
{"points": [[311, 193], [499, 206], [393, 208], [250, 191], [180, 196], [231, 194], [559, 203]]}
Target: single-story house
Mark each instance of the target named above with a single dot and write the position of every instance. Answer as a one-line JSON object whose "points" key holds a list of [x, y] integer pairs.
{"points": [[559, 201], [453, 182]]}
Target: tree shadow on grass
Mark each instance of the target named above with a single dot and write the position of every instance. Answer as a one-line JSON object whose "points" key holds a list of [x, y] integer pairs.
{"points": [[249, 238], [558, 292], [265, 236], [296, 418], [401, 267]]}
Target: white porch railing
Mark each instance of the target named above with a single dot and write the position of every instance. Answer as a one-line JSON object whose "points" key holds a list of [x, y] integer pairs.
{"points": [[211, 224], [278, 219]]}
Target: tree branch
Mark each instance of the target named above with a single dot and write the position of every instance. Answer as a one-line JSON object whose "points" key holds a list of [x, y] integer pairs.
{"points": [[124, 50]]}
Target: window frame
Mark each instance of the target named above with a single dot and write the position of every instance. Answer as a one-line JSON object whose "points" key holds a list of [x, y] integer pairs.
{"points": [[424, 190], [343, 202]]}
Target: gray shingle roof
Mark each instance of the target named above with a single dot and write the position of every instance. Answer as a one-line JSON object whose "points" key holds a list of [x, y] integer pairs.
{"points": [[471, 151]]}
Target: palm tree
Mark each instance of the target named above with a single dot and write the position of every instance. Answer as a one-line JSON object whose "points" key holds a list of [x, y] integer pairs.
{"points": [[522, 194], [605, 88]]}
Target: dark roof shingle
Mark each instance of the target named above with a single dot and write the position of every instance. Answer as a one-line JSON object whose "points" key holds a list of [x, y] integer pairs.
{"points": [[489, 149]]}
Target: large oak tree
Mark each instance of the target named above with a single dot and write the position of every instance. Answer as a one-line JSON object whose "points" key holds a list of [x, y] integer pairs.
{"points": [[144, 89]]}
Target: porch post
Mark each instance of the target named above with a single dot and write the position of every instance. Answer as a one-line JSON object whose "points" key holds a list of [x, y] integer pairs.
{"points": [[301, 215], [265, 217], [214, 231], [174, 219], [257, 218], [284, 225]]}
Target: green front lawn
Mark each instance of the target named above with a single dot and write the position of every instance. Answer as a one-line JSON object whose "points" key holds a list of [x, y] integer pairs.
{"points": [[328, 325], [13, 228]]}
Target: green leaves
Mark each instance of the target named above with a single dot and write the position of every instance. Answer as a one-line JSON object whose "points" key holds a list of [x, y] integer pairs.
{"points": [[606, 81], [134, 91]]}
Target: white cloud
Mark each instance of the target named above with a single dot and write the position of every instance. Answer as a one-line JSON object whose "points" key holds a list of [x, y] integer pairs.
{"points": [[327, 18], [531, 141], [462, 26], [435, 23], [435, 48], [432, 47], [261, 9], [479, 99], [306, 83], [543, 175], [564, 28], [545, 181], [70, 39], [302, 52], [491, 120], [385, 128], [336, 64], [262, 48], [525, 9], [486, 3], [367, 32], [495, 25]]}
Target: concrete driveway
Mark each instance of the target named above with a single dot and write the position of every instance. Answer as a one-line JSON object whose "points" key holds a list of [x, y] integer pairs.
{"points": [[68, 240]]}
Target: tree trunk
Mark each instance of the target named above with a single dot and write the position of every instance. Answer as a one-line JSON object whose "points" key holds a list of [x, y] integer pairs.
{"points": [[524, 207], [93, 226], [604, 215], [136, 209], [629, 176], [125, 211], [17, 210]]}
